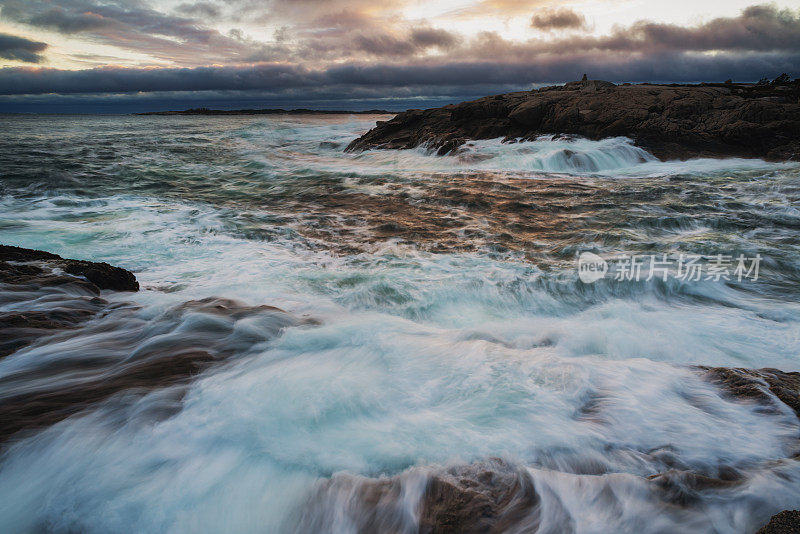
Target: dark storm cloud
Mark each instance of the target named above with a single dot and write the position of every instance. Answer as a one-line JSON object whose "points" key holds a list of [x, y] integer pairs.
{"points": [[346, 78], [558, 19], [385, 45], [664, 67], [132, 80], [395, 59], [73, 16], [20, 49]]}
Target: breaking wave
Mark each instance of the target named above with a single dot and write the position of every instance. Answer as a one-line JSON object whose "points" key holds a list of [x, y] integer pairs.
{"points": [[389, 328]]}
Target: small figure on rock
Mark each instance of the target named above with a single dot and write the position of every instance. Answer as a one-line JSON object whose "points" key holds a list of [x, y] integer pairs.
{"points": [[584, 78]]}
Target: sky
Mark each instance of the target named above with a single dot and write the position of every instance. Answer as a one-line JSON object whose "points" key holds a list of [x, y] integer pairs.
{"points": [[118, 56]]}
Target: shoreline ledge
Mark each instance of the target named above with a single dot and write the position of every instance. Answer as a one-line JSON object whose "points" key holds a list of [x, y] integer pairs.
{"points": [[670, 121]]}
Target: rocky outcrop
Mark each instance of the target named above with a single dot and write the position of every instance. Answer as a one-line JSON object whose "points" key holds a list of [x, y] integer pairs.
{"points": [[760, 385], [122, 352], [670, 121], [484, 497], [71, 288], [76, 349], [786, 522], [26, 266]]}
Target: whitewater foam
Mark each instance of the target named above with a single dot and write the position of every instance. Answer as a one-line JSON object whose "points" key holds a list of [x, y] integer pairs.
{"points": [[419, 359]]}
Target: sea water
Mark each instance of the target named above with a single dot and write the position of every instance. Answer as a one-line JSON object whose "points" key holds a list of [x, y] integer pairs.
{"points": [[446, 324]]}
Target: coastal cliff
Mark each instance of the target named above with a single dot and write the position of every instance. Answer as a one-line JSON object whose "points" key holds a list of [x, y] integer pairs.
{"points": [[671, 121]]}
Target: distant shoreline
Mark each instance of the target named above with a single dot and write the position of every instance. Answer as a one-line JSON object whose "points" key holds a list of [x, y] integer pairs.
{"points": [[269, 111]]}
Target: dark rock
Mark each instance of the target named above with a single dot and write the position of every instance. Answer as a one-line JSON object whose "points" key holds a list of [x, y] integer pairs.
{"points": [[485, 497], [27, 275], [786, 522], [685, 488], [57, 301], [20, 329], [759, 385], [671, 121], [102, 275], [125, 353]]}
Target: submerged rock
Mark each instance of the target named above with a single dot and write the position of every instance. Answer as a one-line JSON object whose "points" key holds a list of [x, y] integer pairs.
{"points": [[75, 349], [487, 497], [48, 294], [496, 496], [125, 352], [671, 121], [760, 385]]}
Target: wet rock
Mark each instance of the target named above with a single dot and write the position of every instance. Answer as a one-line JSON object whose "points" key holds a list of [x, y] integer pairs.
{"points": [[124, 352], [46, 293], [760, 385], [38, 409], [20, 329], [786, 522], [485, 497], [671, 121], [685, 488], [22, 265]]}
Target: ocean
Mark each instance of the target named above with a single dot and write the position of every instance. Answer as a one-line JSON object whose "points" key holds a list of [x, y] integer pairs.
{"points": [[439, 319]]}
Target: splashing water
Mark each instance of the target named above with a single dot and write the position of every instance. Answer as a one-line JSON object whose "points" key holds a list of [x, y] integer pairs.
{"points": [[437, 320]]}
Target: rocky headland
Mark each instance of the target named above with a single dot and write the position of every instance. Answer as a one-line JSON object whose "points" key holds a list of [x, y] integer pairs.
{"points": [[670, 121]]}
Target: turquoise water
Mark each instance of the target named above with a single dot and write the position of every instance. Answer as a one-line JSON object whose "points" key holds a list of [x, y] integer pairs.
{"points": [[448, 322]]}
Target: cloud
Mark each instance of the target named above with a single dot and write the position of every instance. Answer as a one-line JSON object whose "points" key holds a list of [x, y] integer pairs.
{"points": [[67, 22], [200, 9], [757, 28], [417, 40], [558, 19], [21, 49], [345, 48], [132, 25], [762, 28], [347, 78], [429, 37], [501, 8]]}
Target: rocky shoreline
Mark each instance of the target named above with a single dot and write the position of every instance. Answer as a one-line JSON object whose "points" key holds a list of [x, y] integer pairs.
{"points": [[487, 496], [670, 121], [497, 496], [55, 301]]}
